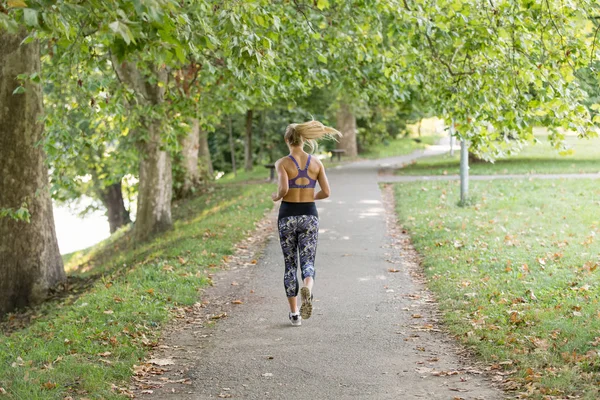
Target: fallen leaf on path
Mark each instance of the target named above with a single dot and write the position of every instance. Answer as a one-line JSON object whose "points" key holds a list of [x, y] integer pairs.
{"points": [[234, 283], [458, 389], [225, 396], [237, 302], [219, 316], [161, 361], [445, 373], [147, 391], [393, 270], [417, 316], [267, 374]]}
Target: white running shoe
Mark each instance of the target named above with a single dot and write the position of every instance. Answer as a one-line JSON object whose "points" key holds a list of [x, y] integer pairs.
{"points": [[306, 307], [295, 319]]}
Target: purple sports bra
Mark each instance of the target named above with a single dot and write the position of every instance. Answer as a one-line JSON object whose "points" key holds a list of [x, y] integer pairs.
{"points": [[302, 173]]}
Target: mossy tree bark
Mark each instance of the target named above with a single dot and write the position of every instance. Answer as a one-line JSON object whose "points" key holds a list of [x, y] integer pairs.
{"points": [[190, 145], [155, 174], [204, 154], [30, 262]]}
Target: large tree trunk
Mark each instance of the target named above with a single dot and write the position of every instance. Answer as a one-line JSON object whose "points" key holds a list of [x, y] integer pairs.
{"points": [[155, 186], [112, 198], [346, 124], [204, 154], [190, 145], [30, 262], [232, 147], [248, 143]]}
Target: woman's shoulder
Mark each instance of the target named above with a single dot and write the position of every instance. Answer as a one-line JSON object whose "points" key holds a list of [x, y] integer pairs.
{"points": [[317, 160]]}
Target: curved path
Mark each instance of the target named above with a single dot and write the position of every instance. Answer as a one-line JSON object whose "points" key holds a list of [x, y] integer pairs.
{"points": [[373, 333]]}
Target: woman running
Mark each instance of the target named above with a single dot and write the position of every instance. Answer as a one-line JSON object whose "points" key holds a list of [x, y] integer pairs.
{"points": [[298, 220]]}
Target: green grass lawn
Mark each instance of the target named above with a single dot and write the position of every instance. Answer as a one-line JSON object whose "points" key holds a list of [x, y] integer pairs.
{"points": [[258, 173], [398, 147], [79, 346], [538, 158], [516, 275]]}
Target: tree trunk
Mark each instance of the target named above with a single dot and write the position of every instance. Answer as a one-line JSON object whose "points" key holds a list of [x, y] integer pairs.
{"points": [[261, 137], [112, 198], [232, 148], [30, 262], [346, 124], [189, 151], [204, 154], [155, 186], [248, 144]]}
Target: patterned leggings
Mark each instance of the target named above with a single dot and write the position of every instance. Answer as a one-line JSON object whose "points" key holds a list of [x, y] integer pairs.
{"points": [[298, 236]]}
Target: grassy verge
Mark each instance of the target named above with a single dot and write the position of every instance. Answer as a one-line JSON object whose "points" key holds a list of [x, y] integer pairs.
{"points": [[258, 173], [538, 158], [398, 147], [81, 345], [516, 275]]}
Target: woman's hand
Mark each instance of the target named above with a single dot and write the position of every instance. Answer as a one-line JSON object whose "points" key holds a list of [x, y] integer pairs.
{"points": [[275, 196]]}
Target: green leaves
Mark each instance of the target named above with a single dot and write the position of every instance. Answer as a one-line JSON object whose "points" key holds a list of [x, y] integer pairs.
{"points": [[322, 4], [30, 16], [123, 30], [20, 214]]}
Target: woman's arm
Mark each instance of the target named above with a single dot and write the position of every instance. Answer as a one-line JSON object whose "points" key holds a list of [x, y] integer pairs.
{"points": [[323, 184], [282, 182]]}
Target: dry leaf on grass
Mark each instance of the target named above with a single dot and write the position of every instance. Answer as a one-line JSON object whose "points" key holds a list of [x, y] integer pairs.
{"points": [[49, 385]]}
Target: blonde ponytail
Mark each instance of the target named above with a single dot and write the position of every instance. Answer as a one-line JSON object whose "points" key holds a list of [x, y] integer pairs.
{"points": [[310, 132]]}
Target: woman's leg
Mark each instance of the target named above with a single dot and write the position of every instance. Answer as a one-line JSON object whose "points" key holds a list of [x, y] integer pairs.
{"points": [[308, 230], [289, 246], [308, 233]]}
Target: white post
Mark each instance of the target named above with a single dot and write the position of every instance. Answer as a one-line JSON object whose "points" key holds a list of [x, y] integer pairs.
{"points": [[464, 171]]}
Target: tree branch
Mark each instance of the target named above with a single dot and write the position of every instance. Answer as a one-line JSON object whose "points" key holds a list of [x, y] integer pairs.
{"points": [[304, 15], [444, 63]]}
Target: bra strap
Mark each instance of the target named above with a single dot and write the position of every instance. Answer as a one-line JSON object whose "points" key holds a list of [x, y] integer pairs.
{"points": [[295, 162], [307, 163]]}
